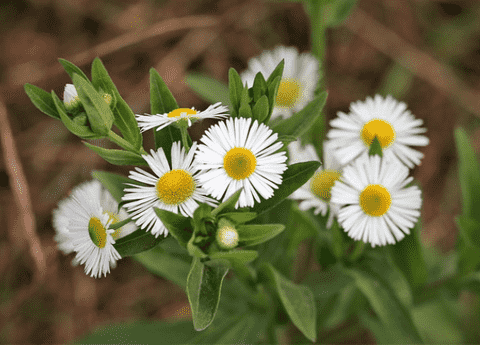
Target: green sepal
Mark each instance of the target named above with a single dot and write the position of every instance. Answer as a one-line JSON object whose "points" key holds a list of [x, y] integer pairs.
{"points": [[302, 121], [228, 205], [297, 300], [260, 109], [177, 225], [204, 285], [124, 118], [239, 217], [137, 242], [375, 148], [235, 88], [208, 88], [259, 87], [42, 100], [114, 183], [251, 235], [117, 157], [81, 131], [294, 177], [71, 69], [98, 112]]}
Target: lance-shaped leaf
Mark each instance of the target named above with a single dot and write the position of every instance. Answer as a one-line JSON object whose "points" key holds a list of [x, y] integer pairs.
{"points": [[98, 112], [302, 121], [250, 235], [259, 87], [245, 110], [204, 285], [232, 258], [277, 72], [42, 100], [375, 148], [124, 116], [272, 96], [228, 205], [114, 183], [208, 88], [137, 242], [117, 157], [161, 102], [71, 69], [294, 177], [77, 129], [297, 300], [260, 109], [235, 88], [239, 217], [177, 225]]}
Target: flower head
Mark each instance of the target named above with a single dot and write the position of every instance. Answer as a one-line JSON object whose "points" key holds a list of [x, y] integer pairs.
{"points": [[300, 76], [81, 223], [70, 97], [316, 193], [146, 122], [390, 121], [376, 206], [238, 153], [174, 189]]}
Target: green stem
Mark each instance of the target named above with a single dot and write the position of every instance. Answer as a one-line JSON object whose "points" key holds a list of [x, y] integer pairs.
{"points": [[184, 133], [115, 138]]}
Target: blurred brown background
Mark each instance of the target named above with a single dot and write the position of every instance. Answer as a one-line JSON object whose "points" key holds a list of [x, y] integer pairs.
{"points": [[426, 53]]}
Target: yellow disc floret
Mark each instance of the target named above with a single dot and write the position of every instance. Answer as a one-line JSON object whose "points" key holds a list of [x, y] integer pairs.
{"points": [[375, 200], [175, 187], [239, 163], [379, 128], [97, 232], [288, 93], [178, 112], [112, 219], [322, 182]]}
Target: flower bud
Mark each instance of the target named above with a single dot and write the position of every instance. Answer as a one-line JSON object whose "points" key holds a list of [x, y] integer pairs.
{"points": [[227, 235]]}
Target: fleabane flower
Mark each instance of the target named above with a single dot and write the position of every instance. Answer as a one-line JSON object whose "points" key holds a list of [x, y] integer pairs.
{"points": [[81, 222], [70, 97], [300, 77], [316, 193], [240, 153], [376, 207], [146, 122], [387, 119], [174, 189]]}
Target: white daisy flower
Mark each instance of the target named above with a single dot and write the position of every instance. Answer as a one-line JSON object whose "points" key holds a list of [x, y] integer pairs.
{"points": [[238, 153], [176, 190], [81, 224], [316, 193], [70, 97], [300, 77], [146, 122], [395, 127], [376, 206]]}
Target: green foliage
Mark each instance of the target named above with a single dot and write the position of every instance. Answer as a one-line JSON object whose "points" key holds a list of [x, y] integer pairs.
{"points": [[250, 235], [209, 89], [375, 148], [114, 183], [117, 157], [42, 100], [71, 69], [136, 242], [235, 89], [177, 225]]}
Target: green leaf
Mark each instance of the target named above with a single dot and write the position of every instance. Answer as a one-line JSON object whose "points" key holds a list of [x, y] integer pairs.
{"points": [[294, 177], [42, 100], [118, 225], [232, 258], [72, 126], [469, 171], [235, 88], [394, 317], [124, 118], [208, 88], [300, 123], [117, 157], [137, 242], [98, 112], [272, 96], [157, 261], [297, 299], [71, 69], [228, 205], [408, 256], [375, 148], [260, 109], [162, 102], [251, 235], [277, 72], [259, 87], [239, 217], [177, 225], [472, 282], [335, 12], [114, 183], [204, 286], [245, 110], [305, 227]]}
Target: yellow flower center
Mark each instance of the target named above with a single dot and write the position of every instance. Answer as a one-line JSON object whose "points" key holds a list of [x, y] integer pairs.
{"points": [[375, 200], [175, 186], [288, 93], [179, 111], [107, 98], [114, 218], [239, 163], [322, 182], [380, 128], [97, 232]]}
